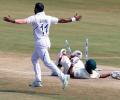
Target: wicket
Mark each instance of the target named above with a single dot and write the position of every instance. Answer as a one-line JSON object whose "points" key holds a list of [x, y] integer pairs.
{"points": [[67, 46], [86, 49]]}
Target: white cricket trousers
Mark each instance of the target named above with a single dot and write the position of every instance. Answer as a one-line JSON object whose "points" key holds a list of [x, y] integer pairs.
{"points": [[43, 54]]}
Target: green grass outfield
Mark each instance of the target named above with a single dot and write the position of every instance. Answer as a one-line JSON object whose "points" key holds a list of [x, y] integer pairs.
{"points": [[100, 24]]}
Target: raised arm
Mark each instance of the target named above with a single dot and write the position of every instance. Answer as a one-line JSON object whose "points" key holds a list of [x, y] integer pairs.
{"points": [[16, 21], [67, 20]]}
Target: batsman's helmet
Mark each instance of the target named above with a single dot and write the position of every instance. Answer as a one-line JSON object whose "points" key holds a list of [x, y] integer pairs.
{"points": [[39, 7], [90, 65]]}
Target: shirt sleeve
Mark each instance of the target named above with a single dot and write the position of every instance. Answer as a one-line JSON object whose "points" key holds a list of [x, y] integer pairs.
{"points": [[95, 74], [30, 20], [54, 20]]}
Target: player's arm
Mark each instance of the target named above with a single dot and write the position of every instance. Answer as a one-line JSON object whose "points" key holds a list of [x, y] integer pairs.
{"points": [[104, 75], [16, 21], [67, 20]]}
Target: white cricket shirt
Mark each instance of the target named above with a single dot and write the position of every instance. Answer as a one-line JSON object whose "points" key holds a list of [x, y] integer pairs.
{"points": [[82, 73], [41, 24]]}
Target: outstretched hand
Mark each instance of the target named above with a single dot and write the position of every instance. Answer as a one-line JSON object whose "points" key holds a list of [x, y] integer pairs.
{"points": [[8, 19], [77, 17]]}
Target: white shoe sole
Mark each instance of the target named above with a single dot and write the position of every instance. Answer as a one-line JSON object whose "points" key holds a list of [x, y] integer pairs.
{"points": [[31, 85], [35, 84]]}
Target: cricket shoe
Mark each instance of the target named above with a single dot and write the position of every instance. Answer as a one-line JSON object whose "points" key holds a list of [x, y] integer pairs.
{"points": [[116, 75], [36, 84], [65, 81]]}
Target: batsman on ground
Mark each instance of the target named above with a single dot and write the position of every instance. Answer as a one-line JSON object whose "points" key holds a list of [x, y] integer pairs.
{"points": [[74, 66], [41, 24]]}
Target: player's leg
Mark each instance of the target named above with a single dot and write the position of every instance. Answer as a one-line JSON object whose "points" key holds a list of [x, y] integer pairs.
{"points": [[37, 69], [66, 63], [44, 55], [62, 61]]}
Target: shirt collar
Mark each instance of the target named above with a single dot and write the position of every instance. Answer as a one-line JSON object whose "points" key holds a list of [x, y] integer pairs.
{"points": [[41, 13]]}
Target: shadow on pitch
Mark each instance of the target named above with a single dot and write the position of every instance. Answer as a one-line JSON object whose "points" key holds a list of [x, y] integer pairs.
{"points": [[29, 92]]}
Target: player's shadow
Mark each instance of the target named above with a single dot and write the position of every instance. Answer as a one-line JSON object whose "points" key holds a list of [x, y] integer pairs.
{"points": [[28, 92]]}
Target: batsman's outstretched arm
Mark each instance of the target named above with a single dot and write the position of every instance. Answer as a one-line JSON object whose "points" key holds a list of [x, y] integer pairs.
{"points": [[104, 75], [16, 21], [67, 20]]}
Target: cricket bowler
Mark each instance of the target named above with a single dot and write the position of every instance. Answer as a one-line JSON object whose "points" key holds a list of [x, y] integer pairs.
{"points": [[41, 25]]}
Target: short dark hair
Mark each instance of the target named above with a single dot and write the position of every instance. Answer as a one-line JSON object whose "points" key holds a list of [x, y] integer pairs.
{"points": [[39, 7]]}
